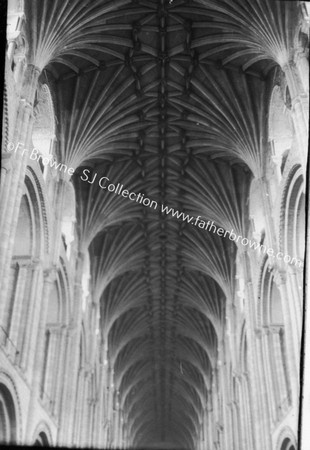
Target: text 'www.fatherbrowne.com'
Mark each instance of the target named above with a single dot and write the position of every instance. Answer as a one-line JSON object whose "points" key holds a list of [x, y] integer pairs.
{"points": [[209, 226], [140, 198]]}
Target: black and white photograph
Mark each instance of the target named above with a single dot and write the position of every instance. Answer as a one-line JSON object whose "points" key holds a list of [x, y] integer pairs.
{"points": [[153, 225]]}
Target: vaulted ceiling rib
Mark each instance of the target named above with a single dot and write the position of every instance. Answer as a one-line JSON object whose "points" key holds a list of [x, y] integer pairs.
{"points": [[167, 98]]}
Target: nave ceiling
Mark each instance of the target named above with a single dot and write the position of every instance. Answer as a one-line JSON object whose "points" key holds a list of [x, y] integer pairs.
{"points": [[170, 99]]}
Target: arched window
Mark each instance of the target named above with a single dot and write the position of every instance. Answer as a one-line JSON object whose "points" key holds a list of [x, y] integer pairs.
{"points": [[85, 280], [7, 416], [236, 411], [53, 315], [294, 219], [24, 275]]}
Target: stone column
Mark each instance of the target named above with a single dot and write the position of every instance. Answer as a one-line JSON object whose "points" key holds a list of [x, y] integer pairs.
{"points": [[101, 414], [291, 339], [80, 403], [59, 375], [14, 313], [242, 417], [51, 368], [270, 394], [49, 279], [72, 364], [85, 422], [295, 292], [227, 435], [74, 437], [207, 422], [116, 421], [215, 405], [33, 316], [125, 433], [258, 401]]}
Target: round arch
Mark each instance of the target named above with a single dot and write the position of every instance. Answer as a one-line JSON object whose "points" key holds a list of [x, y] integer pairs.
{"points": [[272, 313], [287, 444], [10, 413], [31, 243], [292, 222], [41, 440], [42, 436], [53, 366], [37, 198], [271, 321], [32, 227], [286, 440], [7, 416]]}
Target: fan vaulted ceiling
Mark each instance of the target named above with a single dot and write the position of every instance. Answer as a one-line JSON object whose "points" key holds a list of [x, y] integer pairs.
{"points": [[168, 98]]}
